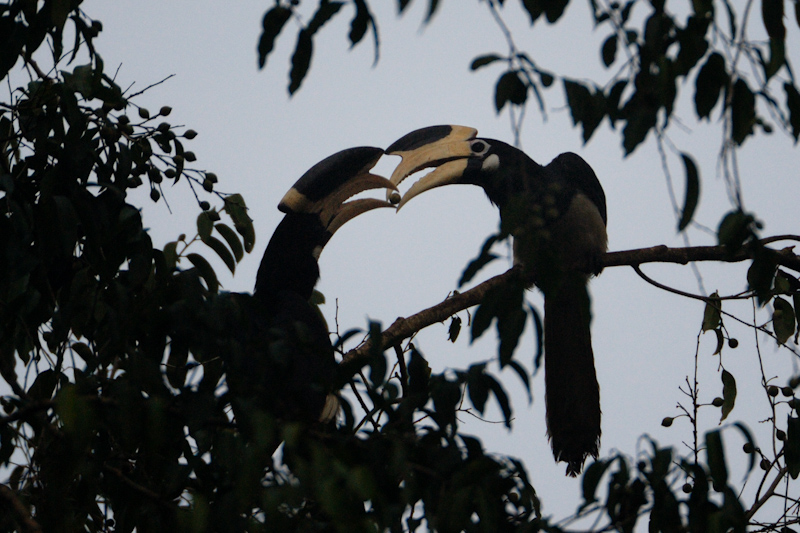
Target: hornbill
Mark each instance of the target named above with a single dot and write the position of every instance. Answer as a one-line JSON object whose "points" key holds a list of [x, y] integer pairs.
{"points": [[557, 216], [284, 360]]}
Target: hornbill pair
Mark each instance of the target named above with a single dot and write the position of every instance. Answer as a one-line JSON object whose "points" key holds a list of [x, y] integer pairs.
{"points": [[556, 214]]}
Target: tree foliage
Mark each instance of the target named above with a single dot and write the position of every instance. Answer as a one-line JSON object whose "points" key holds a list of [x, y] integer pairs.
{"points": [[117, 416]]}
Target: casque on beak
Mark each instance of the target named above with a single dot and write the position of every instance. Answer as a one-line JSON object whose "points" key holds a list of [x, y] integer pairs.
{"points": [[328, 198], [444, 147]]}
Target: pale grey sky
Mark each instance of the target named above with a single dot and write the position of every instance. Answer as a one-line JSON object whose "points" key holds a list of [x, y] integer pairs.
{"points": [[384, 265]]}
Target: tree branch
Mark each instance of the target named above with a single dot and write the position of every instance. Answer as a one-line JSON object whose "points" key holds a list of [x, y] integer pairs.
{"points": [[403, 328], [19, 508]]}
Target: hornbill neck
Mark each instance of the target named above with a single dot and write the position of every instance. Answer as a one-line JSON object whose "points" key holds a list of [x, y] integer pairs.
{"points": [[290, 260], [516, 174]]}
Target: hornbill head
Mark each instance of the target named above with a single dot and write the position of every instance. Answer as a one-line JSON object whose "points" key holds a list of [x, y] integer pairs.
{"points": [[532, 198], [316, 207], [324, 189]]}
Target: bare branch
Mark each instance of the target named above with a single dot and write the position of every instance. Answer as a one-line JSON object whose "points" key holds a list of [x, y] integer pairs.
{"points": [[402, 328], [19, 508]]}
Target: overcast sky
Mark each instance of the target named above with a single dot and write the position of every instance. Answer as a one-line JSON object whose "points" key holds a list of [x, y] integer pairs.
{"points": [[384, 265]]}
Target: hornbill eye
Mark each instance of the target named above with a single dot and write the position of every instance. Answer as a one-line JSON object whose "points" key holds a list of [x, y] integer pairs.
{"points": [[479, 147]]}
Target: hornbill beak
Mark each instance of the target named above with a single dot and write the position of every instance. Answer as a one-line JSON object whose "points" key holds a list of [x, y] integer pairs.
{"points": [[326, 187], [444, 147]]}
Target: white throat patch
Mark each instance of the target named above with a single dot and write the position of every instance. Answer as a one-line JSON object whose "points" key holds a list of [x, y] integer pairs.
{"points": [[491, 163]]}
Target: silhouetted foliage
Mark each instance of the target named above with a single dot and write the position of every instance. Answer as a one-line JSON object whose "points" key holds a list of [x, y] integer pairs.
{"points": [[115, 411]]}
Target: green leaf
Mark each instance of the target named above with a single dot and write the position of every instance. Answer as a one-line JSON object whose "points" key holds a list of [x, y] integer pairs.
{"points": [[538, 327], [81, 81], [455, 329], [232, 239], [171, 254], [712, 313], [591, 479], [587, 108], [743, 111], [793, 105], [715, 453], [324, 13], [176, 364], [703, 8], [205, 270], [484, 257], [777, 57], [749, 438], [534, 9], [510, 326], [317, 298], [482, 61], [522, 372], [796, 301], [761, 274], [692, 192], [361, 22], [501, 397], [301, 60], [720, 341], [222, 251], [553, 9], [418, 374], [433, 5], [44, 385], [792, 446], [709, 83], [502, 302], [797, 13], [237, 210], [483, 317], [728, 393], [204, 225], [641, 115], [693, 44], [377, 365], [612, 100], [772, 16], [477, 387], [735, 229], [609, 50], [783, 320], [510, 88], [274, 21]]}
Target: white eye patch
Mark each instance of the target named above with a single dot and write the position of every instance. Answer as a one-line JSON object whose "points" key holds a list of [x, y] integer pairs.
{"points": [[491, 163]]}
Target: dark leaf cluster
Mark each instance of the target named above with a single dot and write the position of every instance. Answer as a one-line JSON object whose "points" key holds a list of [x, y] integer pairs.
{"points": [[130, 404]]}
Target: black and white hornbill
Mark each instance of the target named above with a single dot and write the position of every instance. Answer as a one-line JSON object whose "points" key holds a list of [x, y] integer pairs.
{"points": [[284, 360], [557, 216]]}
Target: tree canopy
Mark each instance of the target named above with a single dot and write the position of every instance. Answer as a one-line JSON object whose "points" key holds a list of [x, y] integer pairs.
{"points": [[116, 414]]}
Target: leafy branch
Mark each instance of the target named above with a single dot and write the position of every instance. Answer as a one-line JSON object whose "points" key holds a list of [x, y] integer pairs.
{"points": [[403, 328]]}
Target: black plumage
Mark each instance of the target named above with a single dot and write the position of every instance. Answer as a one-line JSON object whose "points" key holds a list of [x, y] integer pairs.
{"points": [[557, 216], [281, 358]]}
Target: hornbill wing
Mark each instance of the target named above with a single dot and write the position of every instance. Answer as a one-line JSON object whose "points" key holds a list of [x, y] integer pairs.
{"points": [[285, 361], [557, 215]]}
